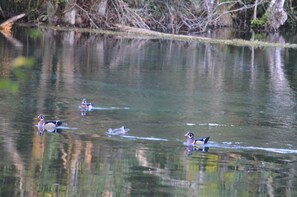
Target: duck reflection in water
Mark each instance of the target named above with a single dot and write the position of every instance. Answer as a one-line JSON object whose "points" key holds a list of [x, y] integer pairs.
{"points": [[83, 112], [196, 144], [191, 148], [41, 131]]}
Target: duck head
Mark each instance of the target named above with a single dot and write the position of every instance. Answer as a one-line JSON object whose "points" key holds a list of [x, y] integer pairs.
{"points": [[41, 121], [86, 106], [41, 117], [190, 137], [84, 101]]}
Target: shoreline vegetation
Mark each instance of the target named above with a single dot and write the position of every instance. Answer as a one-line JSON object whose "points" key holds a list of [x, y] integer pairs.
{"points": [[177, 20]]}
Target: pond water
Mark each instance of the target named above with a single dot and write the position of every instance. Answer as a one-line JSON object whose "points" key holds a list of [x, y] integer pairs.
{"points": [[243, 98]]}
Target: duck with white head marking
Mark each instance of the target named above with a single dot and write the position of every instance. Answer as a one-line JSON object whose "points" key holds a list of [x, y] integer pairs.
{"points": [[85, 105], [47, 125], [191, 140]]}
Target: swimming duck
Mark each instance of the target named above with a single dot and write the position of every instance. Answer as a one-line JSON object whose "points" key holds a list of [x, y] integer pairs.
{"points": [[86, 106], [198, 141], [117, 131], [48, 125]]}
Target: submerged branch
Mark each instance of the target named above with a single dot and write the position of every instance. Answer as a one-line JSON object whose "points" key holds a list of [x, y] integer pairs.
{"points": [[149, 34], [7, 25]]}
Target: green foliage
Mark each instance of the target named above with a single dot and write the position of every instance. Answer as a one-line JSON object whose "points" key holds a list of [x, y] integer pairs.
{"points": [[35, 33], [32, 14], [292, 19], [259, 24], [8, 85], [260, 36]]}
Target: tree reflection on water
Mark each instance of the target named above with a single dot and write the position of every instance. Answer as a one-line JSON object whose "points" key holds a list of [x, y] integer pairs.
{"points": [[87, 162]]}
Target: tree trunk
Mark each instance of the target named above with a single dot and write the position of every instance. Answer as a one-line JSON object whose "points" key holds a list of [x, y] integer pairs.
{"points": [[101, 8], [276, 15], [70, 12], [255, 10]]}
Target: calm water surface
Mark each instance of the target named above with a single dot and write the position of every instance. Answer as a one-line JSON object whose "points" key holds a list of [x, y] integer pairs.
{"points": [[243, 98]]}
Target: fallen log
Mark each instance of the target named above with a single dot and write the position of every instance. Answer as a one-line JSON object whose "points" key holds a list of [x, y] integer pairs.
{"points": [[5, 29], [6, 26], [234, 42]]}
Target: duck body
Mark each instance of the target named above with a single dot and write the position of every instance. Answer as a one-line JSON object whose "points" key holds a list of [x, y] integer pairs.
{"points": [[118, 131], [86, 106], [48, 125], [191, 140]]}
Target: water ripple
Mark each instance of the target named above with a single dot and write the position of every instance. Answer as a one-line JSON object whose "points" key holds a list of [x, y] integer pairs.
{"points": [[144, 138], [110, 108], [209, 124], [232, 145]]}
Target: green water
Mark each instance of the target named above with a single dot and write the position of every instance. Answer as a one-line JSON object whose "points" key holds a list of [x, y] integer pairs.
{"points": [[243, 98]]}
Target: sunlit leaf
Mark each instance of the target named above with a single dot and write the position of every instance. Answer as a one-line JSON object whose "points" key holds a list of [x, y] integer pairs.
{"points": [[23, 62]]}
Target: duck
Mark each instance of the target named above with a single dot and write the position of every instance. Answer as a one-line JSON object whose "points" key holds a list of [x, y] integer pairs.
{"points": [[86, 106], [198, 141], [117, 131], [48, 125]]}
